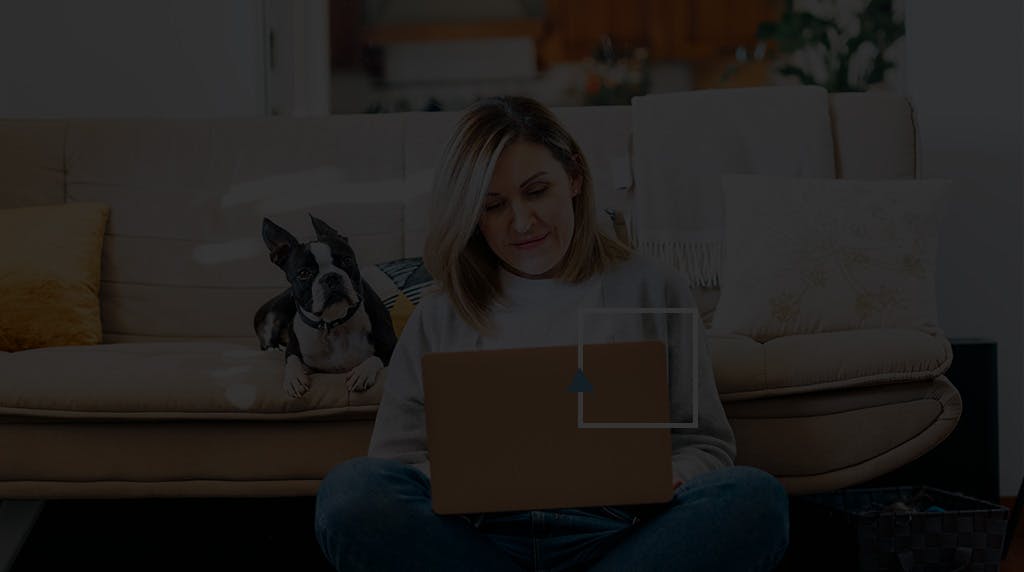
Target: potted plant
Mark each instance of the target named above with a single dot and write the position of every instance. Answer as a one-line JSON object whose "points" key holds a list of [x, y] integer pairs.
{"points": [[819, 50]]}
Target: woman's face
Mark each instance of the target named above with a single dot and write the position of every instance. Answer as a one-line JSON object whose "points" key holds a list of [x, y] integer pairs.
{"points": [[527, 218]]}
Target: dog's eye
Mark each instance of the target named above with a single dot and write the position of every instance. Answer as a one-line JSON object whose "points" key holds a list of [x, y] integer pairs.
{"points": [[349, 261], [305, 275]]}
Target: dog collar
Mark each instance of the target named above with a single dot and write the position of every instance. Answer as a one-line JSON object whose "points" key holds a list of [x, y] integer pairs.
{"points": [[325, 325]]}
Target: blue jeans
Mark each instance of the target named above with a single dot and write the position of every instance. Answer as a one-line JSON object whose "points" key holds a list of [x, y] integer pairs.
{"points": [[375, 514]]}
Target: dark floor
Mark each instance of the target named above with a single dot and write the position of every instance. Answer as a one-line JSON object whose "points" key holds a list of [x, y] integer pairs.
{"points": [[179, 534], [261, 534]]}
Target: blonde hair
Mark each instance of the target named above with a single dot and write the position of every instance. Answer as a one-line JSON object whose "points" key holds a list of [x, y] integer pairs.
{"points": [[456, 253]]}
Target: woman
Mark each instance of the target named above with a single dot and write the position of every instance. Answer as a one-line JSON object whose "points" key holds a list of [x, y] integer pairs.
{"points": [[516, 252]]}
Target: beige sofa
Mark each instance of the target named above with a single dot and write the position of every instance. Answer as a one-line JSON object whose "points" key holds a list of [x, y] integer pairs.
{"points": [[179, 401]]}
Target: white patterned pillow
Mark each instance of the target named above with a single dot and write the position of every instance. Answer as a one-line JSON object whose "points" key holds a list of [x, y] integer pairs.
{"points": [[820, 255]]}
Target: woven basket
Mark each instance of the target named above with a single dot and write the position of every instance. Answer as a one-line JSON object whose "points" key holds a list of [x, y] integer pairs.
{"points": [[967, 536]]}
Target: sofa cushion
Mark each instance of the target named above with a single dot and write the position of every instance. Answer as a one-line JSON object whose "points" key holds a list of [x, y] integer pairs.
{"points": [[147, 458], [746, 369], [169, 380], [50, 275], [820, 255], [891, 425]]}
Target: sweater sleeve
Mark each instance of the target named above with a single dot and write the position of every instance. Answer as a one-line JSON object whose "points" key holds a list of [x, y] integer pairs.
{"points": [[712, 444], [399, 431]]}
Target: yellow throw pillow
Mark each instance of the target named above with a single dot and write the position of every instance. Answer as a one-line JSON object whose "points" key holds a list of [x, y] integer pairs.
{"points": [[401, 312], [50, 275]]}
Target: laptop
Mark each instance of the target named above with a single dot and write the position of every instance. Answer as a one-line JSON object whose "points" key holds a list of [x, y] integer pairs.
{"points": [[504, 427]]}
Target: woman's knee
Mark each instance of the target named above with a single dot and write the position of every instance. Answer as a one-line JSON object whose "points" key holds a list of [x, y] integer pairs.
{"points": [[360, 472], [763, 499], [363, 486], [749, 493]]}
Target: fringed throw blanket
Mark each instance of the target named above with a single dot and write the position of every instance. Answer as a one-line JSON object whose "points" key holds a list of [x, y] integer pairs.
{"points": [[683, 144]]}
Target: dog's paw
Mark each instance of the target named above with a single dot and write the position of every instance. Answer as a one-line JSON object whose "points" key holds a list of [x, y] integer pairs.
{"points": [[362, 377], [296, 386], [296, 378]]}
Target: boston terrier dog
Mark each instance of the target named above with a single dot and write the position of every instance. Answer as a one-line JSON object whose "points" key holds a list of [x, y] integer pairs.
{"points": [[330, 320]]}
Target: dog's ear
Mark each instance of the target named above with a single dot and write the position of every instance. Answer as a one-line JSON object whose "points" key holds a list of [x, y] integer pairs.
{"points": [[324, 230], [278, 240]]}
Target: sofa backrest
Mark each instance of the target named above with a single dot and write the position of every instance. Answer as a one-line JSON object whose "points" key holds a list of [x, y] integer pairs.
{"points": [[875, 136], [31, 162], [183, 257]]}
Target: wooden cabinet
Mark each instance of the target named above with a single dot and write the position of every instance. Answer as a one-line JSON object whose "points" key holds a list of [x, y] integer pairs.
{"points": [[670, 29], [704, 33], [345, 21]]}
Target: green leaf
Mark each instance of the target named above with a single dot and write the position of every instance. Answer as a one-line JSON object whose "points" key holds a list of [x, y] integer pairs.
{"points": [[767, 30], [877, 73], [803, 76]]}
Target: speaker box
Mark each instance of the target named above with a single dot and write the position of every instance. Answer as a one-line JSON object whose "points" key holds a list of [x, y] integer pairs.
{"points": [[967, 461]]}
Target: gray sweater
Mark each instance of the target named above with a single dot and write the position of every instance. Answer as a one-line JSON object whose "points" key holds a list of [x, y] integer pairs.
{"points": [[544, 313]]}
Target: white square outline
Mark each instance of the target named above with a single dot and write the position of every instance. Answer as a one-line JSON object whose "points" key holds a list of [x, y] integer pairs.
{"points": [[580, 424]]}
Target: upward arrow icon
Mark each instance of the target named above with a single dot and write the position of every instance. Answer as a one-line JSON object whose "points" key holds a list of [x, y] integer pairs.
{"points": [[580, 383]]}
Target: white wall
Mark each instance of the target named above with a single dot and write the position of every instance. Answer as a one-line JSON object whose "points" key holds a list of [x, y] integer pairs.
{"points": [[61, 58], [964, 79], [299, 79]]}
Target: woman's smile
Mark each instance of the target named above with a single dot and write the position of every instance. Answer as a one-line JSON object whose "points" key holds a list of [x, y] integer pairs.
{"points": [[531, 243]]}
